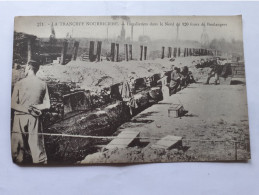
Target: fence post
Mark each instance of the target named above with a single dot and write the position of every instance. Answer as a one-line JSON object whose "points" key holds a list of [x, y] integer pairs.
{"points": [[112, 51], [175, 52], [126, 51], [64, 53], [169, 52], [145, 53], [99, 50], [130, 52], [163, 52], [75, 50], [91, 51], [141, 52], [117, 52]]}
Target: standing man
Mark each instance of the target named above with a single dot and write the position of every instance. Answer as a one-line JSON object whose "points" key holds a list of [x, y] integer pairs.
{"points": [[165, 89], [214, 72], [30, 97], [175, 80]]}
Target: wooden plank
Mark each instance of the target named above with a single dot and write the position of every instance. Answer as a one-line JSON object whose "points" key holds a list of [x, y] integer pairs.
{"points": [[168, 142], [123, 140]]}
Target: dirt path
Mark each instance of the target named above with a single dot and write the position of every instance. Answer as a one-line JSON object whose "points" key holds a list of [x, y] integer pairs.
{"points": [[215, 113]]}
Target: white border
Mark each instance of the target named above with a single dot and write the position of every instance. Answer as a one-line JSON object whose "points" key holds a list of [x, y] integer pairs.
{"points": [[165, 178]]}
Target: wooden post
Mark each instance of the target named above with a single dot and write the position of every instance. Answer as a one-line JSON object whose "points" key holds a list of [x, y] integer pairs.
{"points": [[117, 51], [187, 52], [145, 53], [163, 52], [169, 55], [190, 51], [64, 53], [184, 52], [75, 50], [130, 52], [175, 52], [179, 52], [91, 51], [126, 52], [112, 51], [141, 52], [99, 50]]}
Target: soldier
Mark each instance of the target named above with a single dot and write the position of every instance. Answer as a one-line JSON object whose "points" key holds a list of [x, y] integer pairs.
{"points": [[175, 81], [30, 97], [214, 72], [184, 81], [165, 89]]}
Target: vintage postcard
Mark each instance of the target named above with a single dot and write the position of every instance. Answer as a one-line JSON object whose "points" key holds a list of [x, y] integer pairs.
{"points": [[128, 89]]}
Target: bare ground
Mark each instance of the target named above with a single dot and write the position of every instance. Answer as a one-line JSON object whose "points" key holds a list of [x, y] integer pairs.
{"points": [[215, 128]]}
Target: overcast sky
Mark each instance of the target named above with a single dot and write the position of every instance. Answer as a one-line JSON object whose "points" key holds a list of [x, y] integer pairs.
{"points": [[190, 27]]}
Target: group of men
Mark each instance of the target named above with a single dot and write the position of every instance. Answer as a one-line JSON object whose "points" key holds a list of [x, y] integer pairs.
{"points": [[218, 68], [204, 63], [179, 79], [30, 97]]}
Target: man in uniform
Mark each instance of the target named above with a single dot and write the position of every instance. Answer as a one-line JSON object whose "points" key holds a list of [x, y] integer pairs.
{"points": [[175, 81], [214, 72], [30, 97]]}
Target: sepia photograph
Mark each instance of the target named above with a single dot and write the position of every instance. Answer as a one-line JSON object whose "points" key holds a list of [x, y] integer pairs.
{"points": [[128, 89]]}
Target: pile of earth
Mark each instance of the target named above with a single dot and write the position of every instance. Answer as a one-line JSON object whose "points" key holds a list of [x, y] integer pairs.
{"points": [[95, 75], [137, 155]]}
